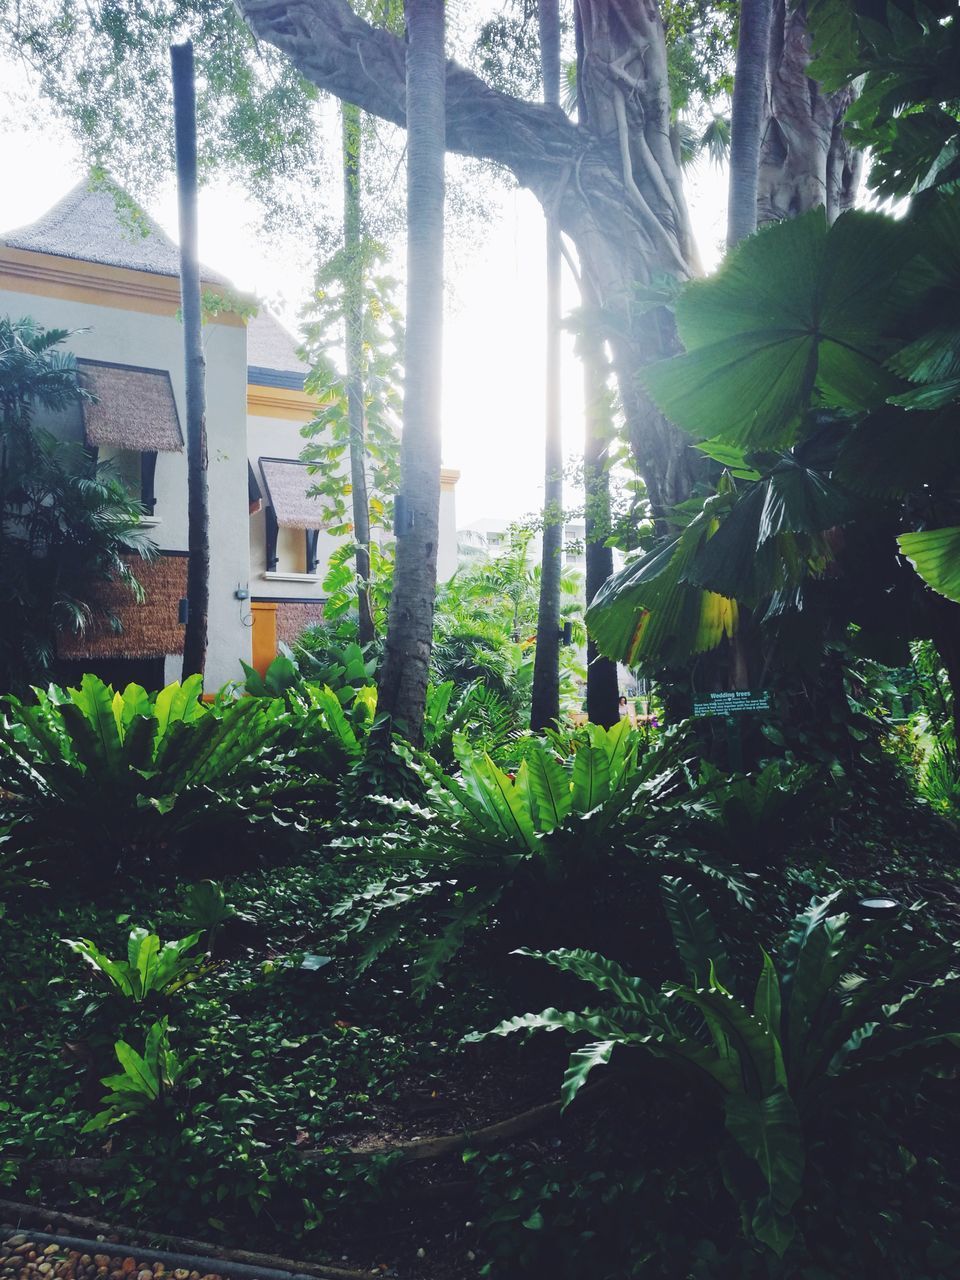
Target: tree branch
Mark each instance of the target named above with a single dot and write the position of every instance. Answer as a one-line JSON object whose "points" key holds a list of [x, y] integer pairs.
{"points": [[359, 63]]}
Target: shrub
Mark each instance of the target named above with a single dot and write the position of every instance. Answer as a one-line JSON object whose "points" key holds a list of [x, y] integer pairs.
{"points": [[98, 781], [554, 847], [813, 1037]]}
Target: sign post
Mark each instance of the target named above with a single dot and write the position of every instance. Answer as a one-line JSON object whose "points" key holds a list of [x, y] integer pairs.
{"points": [[730, 704]]}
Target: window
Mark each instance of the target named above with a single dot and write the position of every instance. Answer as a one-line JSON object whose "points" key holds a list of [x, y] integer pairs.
{"points": [[287, 483]]}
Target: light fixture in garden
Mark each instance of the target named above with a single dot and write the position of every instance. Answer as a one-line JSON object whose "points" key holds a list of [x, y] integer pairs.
{"points": [[877, 908]]}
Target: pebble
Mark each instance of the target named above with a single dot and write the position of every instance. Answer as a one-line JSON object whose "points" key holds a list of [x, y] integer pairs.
{"points": [[23, 1259]]}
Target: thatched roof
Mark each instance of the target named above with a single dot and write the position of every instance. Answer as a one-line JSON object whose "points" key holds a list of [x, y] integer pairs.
{"points": [[287, 483], [151, 629], [272, 359], [99, 222], [134, 408]]}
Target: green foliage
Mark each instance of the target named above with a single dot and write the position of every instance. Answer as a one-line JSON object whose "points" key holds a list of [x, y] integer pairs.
{"points": [[940, 780], [67, 524], [206, 909], [143, 1082], [821, 371], [354, 277], [151, 968], [783, 1063], [903, 58], [100, 780], [486, 621], [935, 554], [485, 847]]}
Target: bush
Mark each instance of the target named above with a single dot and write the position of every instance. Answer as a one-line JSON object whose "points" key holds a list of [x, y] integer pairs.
{"points": [[819, 1035], [562, 847], [98, 781]]}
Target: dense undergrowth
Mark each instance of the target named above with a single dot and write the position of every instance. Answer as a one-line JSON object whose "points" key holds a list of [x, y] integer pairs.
{"points": [[258, 1078]]}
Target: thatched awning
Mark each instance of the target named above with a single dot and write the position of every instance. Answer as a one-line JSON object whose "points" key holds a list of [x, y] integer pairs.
{"points": [[134, 408], [287, 483]]}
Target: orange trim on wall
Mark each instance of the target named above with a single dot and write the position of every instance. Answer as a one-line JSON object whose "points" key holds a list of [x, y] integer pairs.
{"points": [[50, 276], [264, 636], [280, 402]]}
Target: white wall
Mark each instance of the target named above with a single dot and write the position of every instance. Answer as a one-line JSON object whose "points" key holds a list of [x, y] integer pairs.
{"points": [[156, 342], [281, 438]]}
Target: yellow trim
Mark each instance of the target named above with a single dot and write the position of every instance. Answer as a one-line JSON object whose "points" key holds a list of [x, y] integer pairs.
{"points": [[448, 478], [280, 402], [50, 276]]}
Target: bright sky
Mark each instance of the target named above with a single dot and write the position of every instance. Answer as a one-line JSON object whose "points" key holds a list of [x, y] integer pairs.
{"points": [[493, 340]]}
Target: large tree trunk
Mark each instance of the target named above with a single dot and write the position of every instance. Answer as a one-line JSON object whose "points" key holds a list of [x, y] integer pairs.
{"points": [[614, 177], [198, 516], [805, 160], [746, 118], [545, 694], [356, 392], [406, 666]]}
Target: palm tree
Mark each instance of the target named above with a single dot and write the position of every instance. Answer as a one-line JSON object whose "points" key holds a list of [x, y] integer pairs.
{"points": [[198, 512], [545, 704], [354, 309], [746, 121], [406, 666], [603, 688]]}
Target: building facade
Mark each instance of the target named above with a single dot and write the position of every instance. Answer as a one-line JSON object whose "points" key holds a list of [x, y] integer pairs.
{"points": [[113, 279]]}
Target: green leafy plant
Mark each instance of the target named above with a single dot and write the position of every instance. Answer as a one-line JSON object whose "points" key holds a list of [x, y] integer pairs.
{"points": [[152, 967], [780, 1060], [486, 846], [100, 779], [940, 780], [206, 909], [822, 374], [144, 1081], [67, 524]]}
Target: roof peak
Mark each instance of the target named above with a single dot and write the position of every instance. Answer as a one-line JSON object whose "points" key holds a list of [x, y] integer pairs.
{"points": [[98, 221]]}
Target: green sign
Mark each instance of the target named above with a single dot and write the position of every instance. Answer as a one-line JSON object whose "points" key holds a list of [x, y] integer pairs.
{"points": [[732, 702]]}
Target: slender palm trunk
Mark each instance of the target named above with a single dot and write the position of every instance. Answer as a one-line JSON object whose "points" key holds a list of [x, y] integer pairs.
{"points": [[545, 699], [603, 691], [198, 517], [406, 667], [747, 118], [356, 398]]}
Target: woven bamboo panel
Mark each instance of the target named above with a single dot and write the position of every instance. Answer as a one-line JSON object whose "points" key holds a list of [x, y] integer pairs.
{"points": [[151, 629], [293, 618]]}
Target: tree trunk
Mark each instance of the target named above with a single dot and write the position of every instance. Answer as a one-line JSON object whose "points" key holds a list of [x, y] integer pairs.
{"points": [[613, 177], [628, 235], [805, 160], [603, 690], [198, 516], [356, 397], [545, 695], [747, 117], [406, 666]]}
